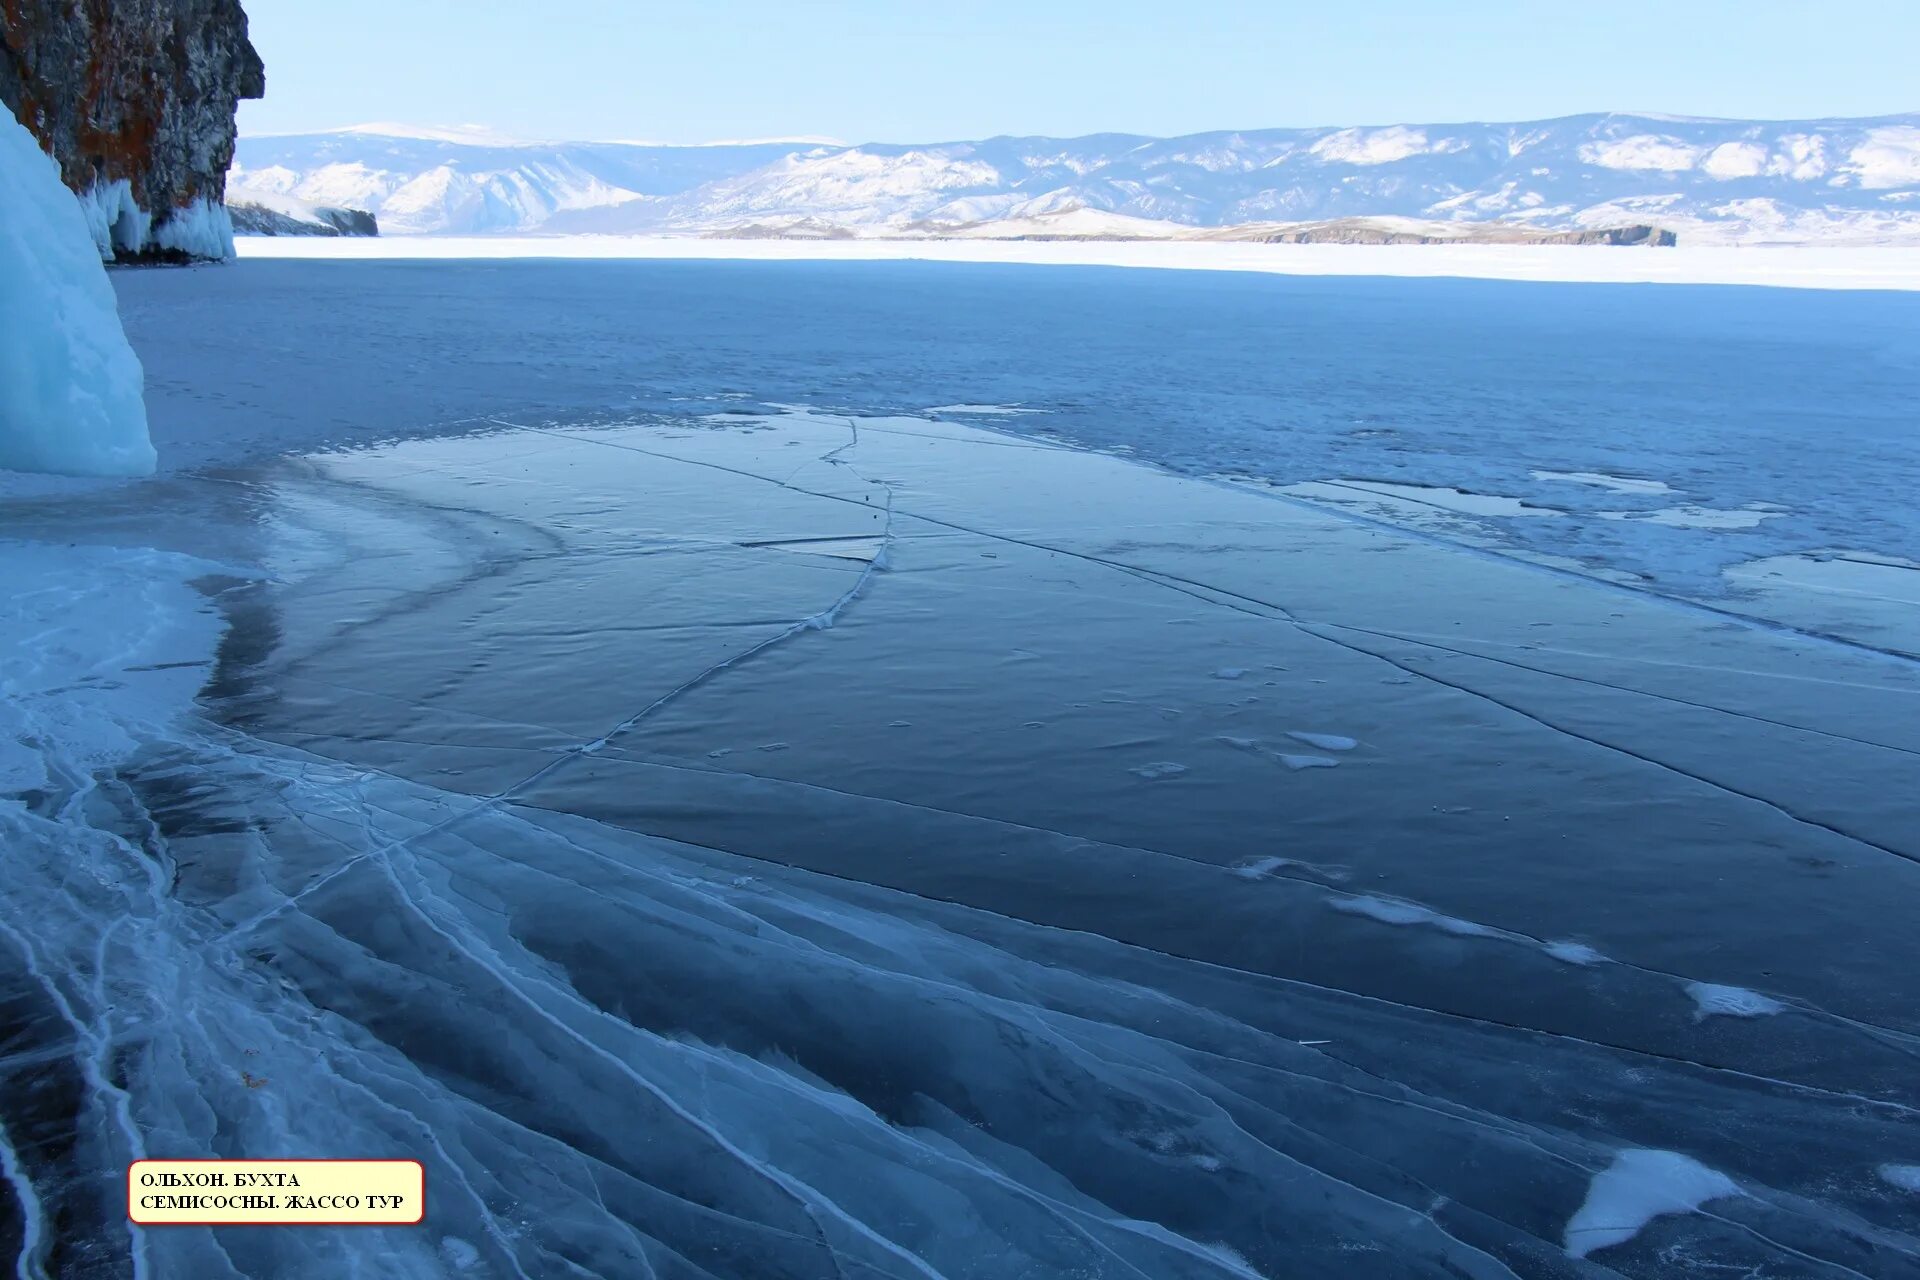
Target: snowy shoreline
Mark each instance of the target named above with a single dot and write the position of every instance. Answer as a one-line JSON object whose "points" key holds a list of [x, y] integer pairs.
{"points": [[1807, 267]]}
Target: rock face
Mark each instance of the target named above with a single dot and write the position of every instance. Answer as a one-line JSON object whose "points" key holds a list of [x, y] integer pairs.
{"points": [[135, 100]]}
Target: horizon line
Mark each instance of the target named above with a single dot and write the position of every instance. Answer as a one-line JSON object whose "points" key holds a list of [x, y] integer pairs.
{"points": [[486, 136]]}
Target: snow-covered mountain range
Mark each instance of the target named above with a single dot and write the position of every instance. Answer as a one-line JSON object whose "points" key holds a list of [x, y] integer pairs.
{"points": [[1855, 181]]}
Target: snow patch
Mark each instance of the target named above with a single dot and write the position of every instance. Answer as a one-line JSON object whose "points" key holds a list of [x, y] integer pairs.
{"points": [[1889, 157], [1261, 868], [1643, 151], [1399, 912], [276, 179], [1326, 741], [458, 1254], [1574, 953], [1160, 769], [1735, 160], [1711, 999], [1801, 157], [1372, 146], [347, 186], [1636, 1188], [984, 410], [1271, 867]]}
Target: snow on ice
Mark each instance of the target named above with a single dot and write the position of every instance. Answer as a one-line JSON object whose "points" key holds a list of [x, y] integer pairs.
{"points": [[1636, 1188], [1713, 999]]}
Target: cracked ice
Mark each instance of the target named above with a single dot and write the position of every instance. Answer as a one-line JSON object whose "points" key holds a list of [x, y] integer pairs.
{"points": [[764, 845]]}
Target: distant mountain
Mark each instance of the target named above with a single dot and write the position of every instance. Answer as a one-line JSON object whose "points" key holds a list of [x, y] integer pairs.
{"points": [[424, 184], [266, 214], [1855, 181]]}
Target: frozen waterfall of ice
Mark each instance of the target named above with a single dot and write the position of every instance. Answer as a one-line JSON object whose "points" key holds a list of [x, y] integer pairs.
{"points": [[70, 386]]}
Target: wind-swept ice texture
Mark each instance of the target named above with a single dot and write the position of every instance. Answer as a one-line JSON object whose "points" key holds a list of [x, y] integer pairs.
{"points": [[70, 386]]}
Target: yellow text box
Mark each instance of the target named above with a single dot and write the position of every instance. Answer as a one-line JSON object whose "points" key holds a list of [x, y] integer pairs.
{"points": [[277, 1193]]}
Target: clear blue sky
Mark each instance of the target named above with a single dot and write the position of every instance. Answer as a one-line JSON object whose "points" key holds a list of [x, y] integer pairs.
{"points": [[911, 71]]}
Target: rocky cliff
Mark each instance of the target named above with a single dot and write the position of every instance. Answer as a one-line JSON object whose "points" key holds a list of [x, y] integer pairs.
{"points": [[135, 99]]}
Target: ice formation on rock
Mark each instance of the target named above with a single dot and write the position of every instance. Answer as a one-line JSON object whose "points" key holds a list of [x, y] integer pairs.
{"points": [[70, 385]]}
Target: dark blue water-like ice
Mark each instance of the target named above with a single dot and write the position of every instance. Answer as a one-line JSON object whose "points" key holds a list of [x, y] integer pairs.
{"points": [[804, 844], [1801, 399]]}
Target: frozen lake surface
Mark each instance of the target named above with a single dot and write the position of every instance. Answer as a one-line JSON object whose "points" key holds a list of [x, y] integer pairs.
{"points": [[1726, 425], [595, 730]]}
